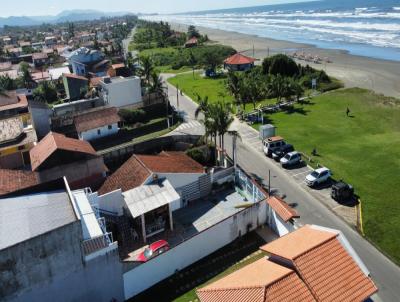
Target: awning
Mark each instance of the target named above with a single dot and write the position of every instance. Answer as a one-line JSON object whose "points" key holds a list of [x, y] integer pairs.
{"points": [[147, 198]]}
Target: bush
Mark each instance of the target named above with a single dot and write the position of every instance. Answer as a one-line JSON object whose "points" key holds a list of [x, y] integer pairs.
{"points": [[198, 155], [280, 64], [133, 116]]}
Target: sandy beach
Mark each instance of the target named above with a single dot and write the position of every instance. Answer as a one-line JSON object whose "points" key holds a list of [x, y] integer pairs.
{"points": [[355, 71]]}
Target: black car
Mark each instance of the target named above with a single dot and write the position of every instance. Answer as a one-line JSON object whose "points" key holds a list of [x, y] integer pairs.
{"points": [[282, 151], [342, 191]]}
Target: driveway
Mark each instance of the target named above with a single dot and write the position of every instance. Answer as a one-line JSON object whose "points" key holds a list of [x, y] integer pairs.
{"points": [[313, 206]]}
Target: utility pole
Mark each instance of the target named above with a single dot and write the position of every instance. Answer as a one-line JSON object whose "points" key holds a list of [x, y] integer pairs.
{"points": [[177, 96], [253, 51], [234, 154], [167, 103]]}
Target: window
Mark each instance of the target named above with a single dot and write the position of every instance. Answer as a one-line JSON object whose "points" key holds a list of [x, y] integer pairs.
{"points": [[98, 131], [109, 127]]}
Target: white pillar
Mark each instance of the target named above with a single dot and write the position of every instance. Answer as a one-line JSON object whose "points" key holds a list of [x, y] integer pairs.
{"points": [[143, 228]]}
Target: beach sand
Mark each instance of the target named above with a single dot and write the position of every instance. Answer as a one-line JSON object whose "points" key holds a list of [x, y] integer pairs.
{"points": [[355, 71]]}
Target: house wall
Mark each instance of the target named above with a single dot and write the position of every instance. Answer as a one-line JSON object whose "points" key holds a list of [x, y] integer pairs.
{"points": [[178, 180], [93, 134], [146, 275], [123, 93], [74, 171], [111, 202], [277, 224], [40, 117], [50, 267]]}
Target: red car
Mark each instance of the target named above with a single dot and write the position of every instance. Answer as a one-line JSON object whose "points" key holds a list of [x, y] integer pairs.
{"points": [[154, 249]]}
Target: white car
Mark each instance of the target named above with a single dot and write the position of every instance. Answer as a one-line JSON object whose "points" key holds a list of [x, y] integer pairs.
{"points": [[318, 176], [290, 159]]}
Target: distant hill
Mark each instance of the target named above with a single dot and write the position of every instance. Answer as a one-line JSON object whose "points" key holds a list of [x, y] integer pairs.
{"points": [[65, 16]]}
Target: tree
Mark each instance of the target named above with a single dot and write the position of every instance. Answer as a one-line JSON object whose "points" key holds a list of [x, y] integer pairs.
{"points": [[45, 92], [296, 89], [147, 68], [253, 87], [26, 77], [156, 84], [192, 61], [233, 85], [211, 60], [280, 64], [193, 32], [278, 87]]}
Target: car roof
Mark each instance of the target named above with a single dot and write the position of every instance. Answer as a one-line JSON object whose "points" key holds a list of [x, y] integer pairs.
{"points": [[158, 244], [274, 139], [293, 153], [321, 170]]}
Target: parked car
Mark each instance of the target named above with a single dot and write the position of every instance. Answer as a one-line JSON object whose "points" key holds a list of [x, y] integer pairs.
{"points": [[318, 176], [153, 250], [272, 143], [291, 159], [282, 151], [342, 191]]}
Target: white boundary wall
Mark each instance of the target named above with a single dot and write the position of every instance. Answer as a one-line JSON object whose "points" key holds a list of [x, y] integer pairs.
{"points": [[201, 245]]}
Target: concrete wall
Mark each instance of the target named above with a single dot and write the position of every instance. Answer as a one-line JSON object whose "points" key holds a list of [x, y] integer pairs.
{"points": [[94, 134], [123, 92], [192, 250], [40, 118], [51, 268], [178, 180], [111, 202], [276, 223], [74, 171]]}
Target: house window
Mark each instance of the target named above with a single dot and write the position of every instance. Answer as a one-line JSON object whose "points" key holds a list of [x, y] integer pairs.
{"points": [[98, 131], [109, 127]]}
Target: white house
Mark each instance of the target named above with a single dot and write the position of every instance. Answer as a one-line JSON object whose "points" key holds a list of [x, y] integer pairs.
{"points": [[97, 124], [122, 92]]}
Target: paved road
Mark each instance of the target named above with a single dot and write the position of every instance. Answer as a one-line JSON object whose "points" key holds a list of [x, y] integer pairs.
{"points": [[384, 272]]}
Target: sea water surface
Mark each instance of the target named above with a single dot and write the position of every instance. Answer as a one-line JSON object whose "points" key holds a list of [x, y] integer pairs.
{"points": [[362, 27]]}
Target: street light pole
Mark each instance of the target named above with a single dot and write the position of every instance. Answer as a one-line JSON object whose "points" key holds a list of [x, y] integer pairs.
{"points": [[177, 96], [166, 102]]}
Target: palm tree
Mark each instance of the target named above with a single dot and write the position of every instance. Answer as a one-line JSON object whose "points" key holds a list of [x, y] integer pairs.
{"points": [[223, 120], [233, 85], [45, 92], [278, 87], [147, 68], [26, 77]]}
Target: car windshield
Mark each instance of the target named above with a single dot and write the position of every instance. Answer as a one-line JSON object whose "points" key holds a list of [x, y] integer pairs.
{"points": [[287, 156], [148, 253], [315, 174]]}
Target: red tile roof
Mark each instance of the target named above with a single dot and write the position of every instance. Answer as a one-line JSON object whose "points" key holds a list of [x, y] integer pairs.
{"points": [[53, 142], [130, 175], [96, 119], [171, 162], [323, 264], [94, 82], [282, 208], [260, 281], [192, 41], [14, 180], [239, 59], [74, 76], [138, 168]]}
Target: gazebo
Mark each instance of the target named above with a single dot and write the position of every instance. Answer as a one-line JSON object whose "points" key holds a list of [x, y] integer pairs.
{"points": [[239, 62]]}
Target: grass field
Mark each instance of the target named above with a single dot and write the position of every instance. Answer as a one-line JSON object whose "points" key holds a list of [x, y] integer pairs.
{"points": [[363, 149], [213, 88]]}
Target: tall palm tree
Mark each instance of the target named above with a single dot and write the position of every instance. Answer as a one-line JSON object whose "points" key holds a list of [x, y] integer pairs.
{"points": [[233, 85], [223, 120], [278, 87], [147, 68]]}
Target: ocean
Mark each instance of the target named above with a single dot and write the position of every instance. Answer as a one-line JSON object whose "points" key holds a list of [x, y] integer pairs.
{"points": [[362, 27]]}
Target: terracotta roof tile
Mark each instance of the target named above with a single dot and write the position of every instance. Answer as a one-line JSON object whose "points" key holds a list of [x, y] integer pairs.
{"points": [[55, 141], [117, 66], [13, 100], [261, 281], [171, 162], [282, 208], [298, 242], [333, 275], [96, 119], [39, 56], [130, 175], [14, 180], [323, 264], [239, 59]]}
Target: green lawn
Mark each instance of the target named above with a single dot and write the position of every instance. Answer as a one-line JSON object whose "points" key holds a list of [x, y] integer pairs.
{"points": [[363, 149], [213, 88]]}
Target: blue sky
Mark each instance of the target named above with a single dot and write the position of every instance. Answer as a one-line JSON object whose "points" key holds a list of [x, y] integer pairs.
{"points": [[52, 7]]}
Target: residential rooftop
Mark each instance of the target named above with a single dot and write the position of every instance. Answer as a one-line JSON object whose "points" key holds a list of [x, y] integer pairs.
{"points": [[96, 119]]}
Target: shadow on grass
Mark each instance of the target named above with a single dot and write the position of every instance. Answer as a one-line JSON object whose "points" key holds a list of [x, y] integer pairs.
{"points": [[293, 110]]}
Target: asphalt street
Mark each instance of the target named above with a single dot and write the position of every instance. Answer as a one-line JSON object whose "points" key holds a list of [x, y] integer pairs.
{"points": [[384, 272]]}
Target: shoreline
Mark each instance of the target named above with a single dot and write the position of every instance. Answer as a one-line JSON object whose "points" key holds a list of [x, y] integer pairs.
{"points": [[381, 76]]}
